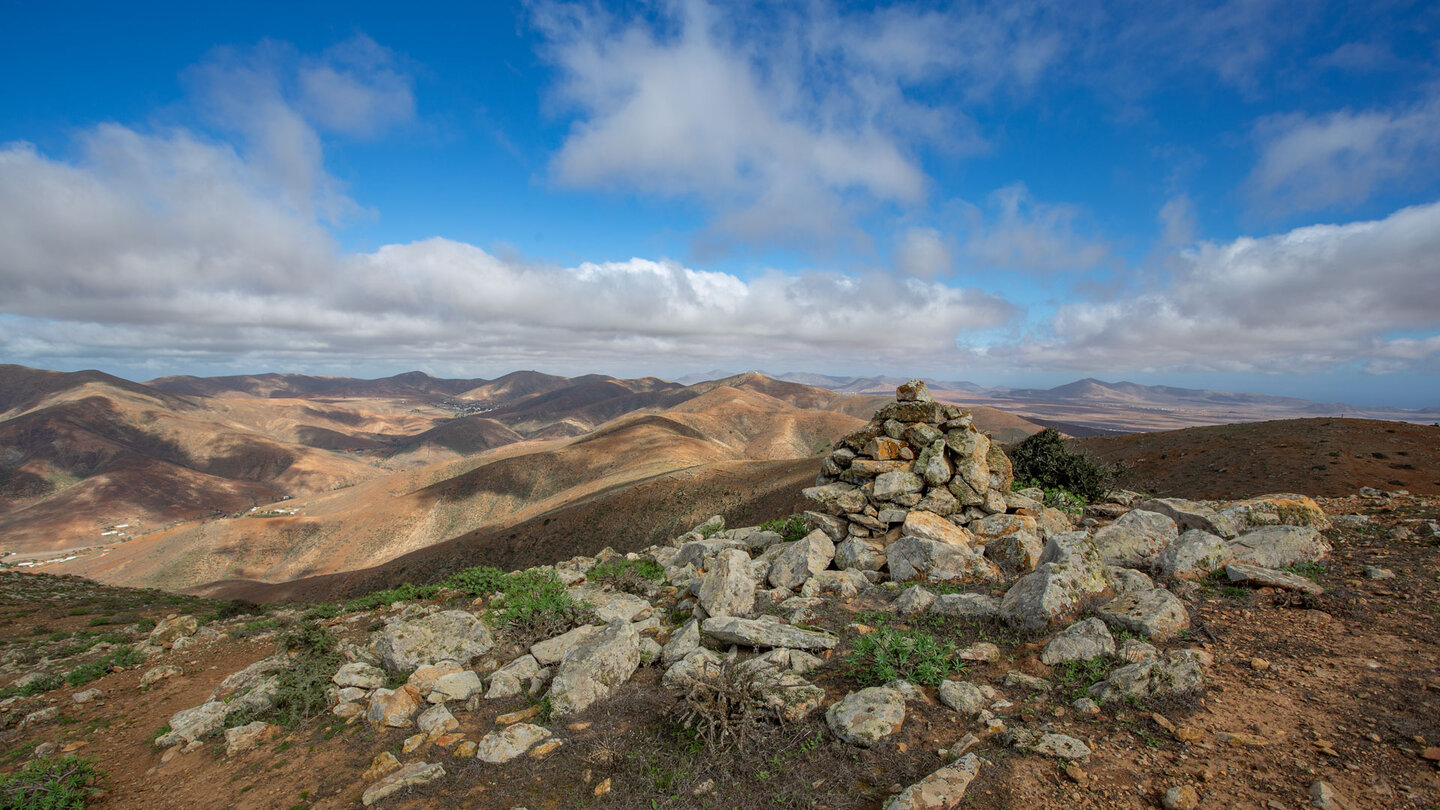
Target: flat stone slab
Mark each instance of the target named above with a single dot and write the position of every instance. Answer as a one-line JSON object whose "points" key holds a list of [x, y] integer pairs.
{"points": [[1259, 577], [941, 790], [757, 633]]}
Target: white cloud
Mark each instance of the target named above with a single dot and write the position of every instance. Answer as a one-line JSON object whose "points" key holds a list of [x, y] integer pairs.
{"points": [[1343, 157], [1313, 299], [1016, 231], [785, 132], [924, 253]]}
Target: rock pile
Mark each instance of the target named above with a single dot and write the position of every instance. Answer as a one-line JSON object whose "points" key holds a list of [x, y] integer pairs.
{"points": [[923, 492]]}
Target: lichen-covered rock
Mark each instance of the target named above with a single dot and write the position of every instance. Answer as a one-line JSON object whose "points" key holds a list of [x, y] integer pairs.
{"points": [[930, 526], [459, 686], [415, 773], [1017, 552], [966, 606], [1195, 555], [243, 738], [965, 697], [1080, 641], [935, 561], [189, 725], [728, 588], [1070, 574], [699, 665], [360, 675], [865, 717], [1269, 577], [860, 553], [682, 642], [1177, 673], [836, 499], [1135, 538], [1060, 746], [449, 635], [766, 634], [393, 707], [595, 667], [553, 650], [1191, 515], [801, 559], [175, 627], [1156, 614], [891, 485], [942, 790], [912, 601], [1279, 546]]}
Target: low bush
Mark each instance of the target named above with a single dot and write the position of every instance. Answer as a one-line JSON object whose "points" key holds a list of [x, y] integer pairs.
{"points": [[482, 580], [385, 598], [1043, 460], [1074, 678], [62, 783], [124, 656], [301, 689], [630, 576], [913, 655]]}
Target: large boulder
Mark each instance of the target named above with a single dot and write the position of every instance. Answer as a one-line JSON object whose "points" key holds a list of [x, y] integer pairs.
{"points": [[864, 718], [892, 485], [836, 499], [935, 561], [1177, 673], [765, 634], [807, 556], [1279, 546], [728, 588], [1070, 575], [169, 630], [1017, 552], [860, 553], [1135, 538], [393, 707], [450, 635], [553, 650], [189, 725], [595, 667], [1191, 515]]}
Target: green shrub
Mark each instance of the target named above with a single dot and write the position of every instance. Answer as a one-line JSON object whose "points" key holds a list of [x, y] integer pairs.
{"points": [[1074, 678], [630, 576], [537, 606], [1043, 459], [300, 688], [325, 610], [378, 599], [482, 580], [38, 686], [63, 783], [124, 656], [791, 528], [913, 655]]}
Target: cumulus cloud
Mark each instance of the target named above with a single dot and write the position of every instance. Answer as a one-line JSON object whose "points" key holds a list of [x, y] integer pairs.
{"points": [[924, 253], [786, 132], [1343, 157], [166, 246], [1016, 231], [1315, 298]]}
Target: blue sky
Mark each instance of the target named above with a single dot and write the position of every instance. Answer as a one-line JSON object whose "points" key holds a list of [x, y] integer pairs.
{"points": [[1240, 195]]}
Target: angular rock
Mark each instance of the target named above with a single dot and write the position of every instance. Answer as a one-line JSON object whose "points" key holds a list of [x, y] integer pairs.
{"points": [[595, 667], [860, 553], [1191, 515], [834, 528], [1060, 746], [1080, 641], [942, 790], [175, 627], [836, 499], [931, 412], [1175, 674], [1018, 552], [940, 502], [243, 738], [393, 707], [699, 665], [933, 465], [806, 556], [157, 674], [510, 742], [965, 697], [764, 634], [728, 588], [359, 675], [1156, 614], [891, 485], [1135, 538], [415, 773], [682, 642], [930, 526], [611, 605], [912, 601], [788, 695], [189, 725], [914, 390], [456, 686], [1279, 546], [1070, 574], [1195, 555], [966, 606], [553, 650], [1268, 577], [246, 680], [450, 635], [865, 717], [935, 561], [838, 584], [883, 448], [435, 721], [1130, 581]]}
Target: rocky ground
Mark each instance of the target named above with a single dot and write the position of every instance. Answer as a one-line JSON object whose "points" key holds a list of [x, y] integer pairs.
{"points": [[1268, 653]]}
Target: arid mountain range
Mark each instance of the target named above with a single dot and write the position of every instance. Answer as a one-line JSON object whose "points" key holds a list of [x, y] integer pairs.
{"points": [[227, 483], [1092, 407]]}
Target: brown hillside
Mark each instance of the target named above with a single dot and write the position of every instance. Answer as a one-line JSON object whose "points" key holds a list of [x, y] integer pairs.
{"points": [[1330, 457]]}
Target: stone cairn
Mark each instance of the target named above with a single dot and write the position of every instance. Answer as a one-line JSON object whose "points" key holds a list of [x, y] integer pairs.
{"points": [[921, 469]]}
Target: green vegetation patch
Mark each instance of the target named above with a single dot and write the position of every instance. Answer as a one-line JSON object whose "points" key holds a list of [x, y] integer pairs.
{"points": [[630, 576], [791, 528], [1074, 678], [913, 655], [300, 688], [389, 596], [62, 783], [1043, 459], [124, 656]]}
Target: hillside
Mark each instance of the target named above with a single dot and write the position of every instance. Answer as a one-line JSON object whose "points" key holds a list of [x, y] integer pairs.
{"points": [[1324, 456]]}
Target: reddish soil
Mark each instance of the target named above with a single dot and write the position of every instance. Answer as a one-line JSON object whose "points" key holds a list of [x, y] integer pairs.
{"points": [[1330, 457]]}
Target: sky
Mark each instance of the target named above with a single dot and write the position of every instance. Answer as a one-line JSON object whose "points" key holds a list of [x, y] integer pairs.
{"points": [[1241, 195]]}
